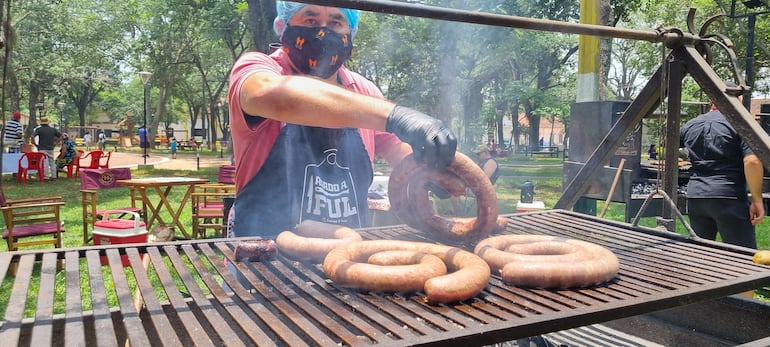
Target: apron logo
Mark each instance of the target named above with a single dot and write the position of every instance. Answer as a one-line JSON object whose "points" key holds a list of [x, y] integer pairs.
{"points": [[330, 199], [329, 192]]}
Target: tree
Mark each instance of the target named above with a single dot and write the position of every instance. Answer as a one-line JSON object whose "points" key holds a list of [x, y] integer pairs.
{"points": [[261, 14]]}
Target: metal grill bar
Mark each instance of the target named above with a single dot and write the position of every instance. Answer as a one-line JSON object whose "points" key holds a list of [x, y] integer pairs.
{"points": [[288, 303]]}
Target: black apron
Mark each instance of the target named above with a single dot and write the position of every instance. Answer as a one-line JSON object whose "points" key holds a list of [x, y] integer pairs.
{"points": [[311, 173]]}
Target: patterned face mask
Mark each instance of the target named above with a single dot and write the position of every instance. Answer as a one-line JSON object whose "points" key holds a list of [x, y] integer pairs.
{"points": [[316, 51]]}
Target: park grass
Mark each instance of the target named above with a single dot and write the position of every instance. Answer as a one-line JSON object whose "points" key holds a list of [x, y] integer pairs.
{"points": [[69, 190]]}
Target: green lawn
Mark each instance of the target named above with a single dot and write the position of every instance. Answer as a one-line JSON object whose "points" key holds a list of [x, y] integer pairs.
{"points": [[69, 190]]}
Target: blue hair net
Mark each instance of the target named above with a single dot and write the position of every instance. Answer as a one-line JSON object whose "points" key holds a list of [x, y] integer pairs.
{"points": [[287, 9]]}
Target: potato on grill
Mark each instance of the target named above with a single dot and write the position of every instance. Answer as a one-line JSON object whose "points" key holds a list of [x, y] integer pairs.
{"points": [[762, 257]]}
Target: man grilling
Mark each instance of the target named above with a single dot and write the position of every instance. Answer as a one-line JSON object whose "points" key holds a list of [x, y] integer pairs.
{"points": [[306, 129]]}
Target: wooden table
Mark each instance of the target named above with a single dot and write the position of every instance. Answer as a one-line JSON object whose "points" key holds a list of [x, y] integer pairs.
{"points": [[163, 187]]}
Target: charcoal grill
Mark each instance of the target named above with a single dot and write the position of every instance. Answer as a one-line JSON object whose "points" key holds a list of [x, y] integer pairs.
{"points": [[293, 304]]}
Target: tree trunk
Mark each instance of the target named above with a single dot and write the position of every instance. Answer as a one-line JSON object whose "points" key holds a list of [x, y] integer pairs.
{"points": [[605, 50], [261, 16], [447, 74]]}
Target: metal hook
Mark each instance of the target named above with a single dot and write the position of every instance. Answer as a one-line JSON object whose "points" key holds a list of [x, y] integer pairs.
{"points": [[671, 203]]}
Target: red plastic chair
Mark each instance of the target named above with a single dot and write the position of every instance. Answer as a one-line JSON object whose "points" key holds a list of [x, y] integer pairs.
{"points": [[104, 161], [92, 159], [31, 163], [73, 168]]}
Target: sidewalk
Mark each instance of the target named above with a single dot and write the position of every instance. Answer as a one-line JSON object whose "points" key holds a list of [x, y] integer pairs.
{"points": [[183, 161]]}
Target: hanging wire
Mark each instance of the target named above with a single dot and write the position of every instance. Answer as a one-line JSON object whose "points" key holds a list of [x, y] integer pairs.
{"points": [[664, 112]]}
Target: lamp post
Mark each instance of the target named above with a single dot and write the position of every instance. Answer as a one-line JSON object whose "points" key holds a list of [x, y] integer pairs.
{"points": [[145, 76], [61, 105]]}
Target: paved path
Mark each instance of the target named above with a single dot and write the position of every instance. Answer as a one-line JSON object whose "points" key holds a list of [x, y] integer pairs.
{"points": [[183, 161]]}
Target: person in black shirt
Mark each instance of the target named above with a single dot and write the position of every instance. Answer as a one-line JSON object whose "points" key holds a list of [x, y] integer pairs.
{"points": [[652, 152], [46, 139], [723, 167]]}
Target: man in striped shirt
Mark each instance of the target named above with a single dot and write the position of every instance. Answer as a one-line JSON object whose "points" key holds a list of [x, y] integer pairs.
{"points": [[13, 130]]}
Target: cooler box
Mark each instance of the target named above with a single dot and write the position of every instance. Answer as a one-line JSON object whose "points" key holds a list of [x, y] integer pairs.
{"points": [[530, 207], [119, 231]]}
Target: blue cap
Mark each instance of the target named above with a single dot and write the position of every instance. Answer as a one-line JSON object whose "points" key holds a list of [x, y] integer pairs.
{"points": [[286, 9]]}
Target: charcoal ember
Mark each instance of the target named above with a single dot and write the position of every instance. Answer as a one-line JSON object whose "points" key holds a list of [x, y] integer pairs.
{"points": [[645, 188], [257, 250]]}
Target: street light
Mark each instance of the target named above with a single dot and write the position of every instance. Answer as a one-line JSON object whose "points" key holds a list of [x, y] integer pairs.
{"points": [[145, 76], [61, 104]]}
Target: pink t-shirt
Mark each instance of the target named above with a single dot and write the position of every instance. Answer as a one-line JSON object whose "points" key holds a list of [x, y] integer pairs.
{"points": [[252, 142]]}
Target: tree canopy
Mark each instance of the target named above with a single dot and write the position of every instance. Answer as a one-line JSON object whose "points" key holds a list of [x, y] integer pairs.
{"points": [[87, 54]]}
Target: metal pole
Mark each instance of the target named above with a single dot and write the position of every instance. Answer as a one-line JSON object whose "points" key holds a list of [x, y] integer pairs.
{"points": [[750, 61], [475, 17], [145, 76], [144, 146], [671, 155]]}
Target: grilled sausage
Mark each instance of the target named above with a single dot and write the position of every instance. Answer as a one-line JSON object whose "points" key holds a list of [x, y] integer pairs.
{"points": [[257, 250], [548, 262], [397, 271], [409, 199], [314, 240], [468, 275]]}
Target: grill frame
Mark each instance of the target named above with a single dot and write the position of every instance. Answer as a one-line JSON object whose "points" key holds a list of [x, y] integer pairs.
{"points": [[293, 303]]}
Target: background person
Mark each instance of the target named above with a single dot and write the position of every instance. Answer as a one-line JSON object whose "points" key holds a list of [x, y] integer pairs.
{"points": [[12, 133], [306, 129], [723, 167], [652, 152], [102, 140], [87, 138], [46, 138], [487, 163], [66, 152], [144, 141], [172, 146], [491, 168]]}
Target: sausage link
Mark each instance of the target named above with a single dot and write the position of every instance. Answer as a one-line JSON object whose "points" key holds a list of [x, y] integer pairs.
{"points": [[468, 275], [257, 250], [314, 240], [547, 261], [410, 203]]}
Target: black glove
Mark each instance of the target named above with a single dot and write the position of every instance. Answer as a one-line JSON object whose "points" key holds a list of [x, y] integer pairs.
{"points": [[429, 137]]}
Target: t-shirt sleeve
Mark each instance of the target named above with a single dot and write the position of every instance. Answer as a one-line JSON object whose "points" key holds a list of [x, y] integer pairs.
{"points": [[255, 137], [245, 66]]}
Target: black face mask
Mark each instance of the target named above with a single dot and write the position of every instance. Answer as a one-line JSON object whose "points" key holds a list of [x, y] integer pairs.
{"points": [[316, 51]]}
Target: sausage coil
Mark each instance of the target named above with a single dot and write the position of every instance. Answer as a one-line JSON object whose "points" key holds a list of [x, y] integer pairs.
{"points": [[467, 274], [547, 261], [409, 199], [314, 240]]}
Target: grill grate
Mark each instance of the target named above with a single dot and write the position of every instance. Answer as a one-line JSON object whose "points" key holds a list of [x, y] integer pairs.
{"points": [[293, 304]]}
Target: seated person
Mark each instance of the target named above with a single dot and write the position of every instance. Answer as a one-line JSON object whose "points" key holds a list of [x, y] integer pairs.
{"points": [[66, 153]]}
